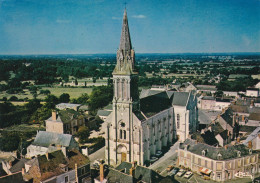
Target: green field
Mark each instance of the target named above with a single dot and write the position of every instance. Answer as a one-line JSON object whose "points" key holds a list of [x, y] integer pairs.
{"points": [[57, 91]]}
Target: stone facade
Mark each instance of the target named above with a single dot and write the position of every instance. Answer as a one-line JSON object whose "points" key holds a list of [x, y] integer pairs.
{"points": [[222, 167], [137, 129]]}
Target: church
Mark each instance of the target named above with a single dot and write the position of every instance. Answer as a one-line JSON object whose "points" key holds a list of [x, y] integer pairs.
{"points": [[141, 125]]}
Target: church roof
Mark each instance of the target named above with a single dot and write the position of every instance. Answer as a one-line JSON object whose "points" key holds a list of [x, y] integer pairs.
{"points": [[148, 92], [180, 98], [45, 139], [125, 41]]}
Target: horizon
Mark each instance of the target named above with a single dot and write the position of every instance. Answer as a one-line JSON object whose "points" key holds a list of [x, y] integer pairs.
{"points": [[30, 27]]}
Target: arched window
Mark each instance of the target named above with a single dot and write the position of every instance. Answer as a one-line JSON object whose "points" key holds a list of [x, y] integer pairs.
{"points": [[121, 134], [178, 121], [124, 134]]}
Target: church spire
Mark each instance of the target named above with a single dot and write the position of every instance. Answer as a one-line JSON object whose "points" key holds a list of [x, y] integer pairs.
{"points": [[125, 41], [125, 53]]}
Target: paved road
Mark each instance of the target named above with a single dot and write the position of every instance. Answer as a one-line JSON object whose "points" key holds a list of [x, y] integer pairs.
{"points": [[169, 158]]}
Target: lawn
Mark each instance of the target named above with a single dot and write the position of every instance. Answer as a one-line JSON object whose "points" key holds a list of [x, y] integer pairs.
{"points": [[57, 91]]}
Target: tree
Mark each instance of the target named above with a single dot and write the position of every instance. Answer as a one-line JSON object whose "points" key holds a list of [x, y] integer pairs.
{"points": [[100, 97], [64, 98], [9, 141], [45, 92], [33, 90], [76, 82], [51, 101], [83, 134], [218, 93]]}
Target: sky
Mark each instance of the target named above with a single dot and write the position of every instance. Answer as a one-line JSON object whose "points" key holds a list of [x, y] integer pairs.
{"points": [[156, 26]]}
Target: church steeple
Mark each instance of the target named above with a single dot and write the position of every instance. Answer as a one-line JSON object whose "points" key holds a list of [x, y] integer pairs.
{"points": [[125, 41], [125, 53]]}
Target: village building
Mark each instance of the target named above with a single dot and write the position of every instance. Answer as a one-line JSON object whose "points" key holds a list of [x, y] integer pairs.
{"points": [[218, 163], [67, 121], [58, 166], [48, 142], [252, 92], [139, 127]]}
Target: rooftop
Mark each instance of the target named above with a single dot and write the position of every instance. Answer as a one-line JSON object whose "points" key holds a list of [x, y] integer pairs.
{"points": [[45, 139], [212, 152]]}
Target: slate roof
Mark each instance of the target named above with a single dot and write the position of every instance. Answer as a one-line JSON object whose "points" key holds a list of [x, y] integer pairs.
{"points": [[13, 178], [212, 152], [206, 87], [18, 165], [45, 139], [208, 98], [253, 135], [180, 98], [67, 105], [103, 112], [141, 173], [148, 92], [68, 115], [52, 166], [224, 134], [254, 116]]}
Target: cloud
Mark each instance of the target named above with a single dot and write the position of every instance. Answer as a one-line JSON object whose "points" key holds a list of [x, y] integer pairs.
{"points": [[139, 16], [63, 21], [116, 18]]}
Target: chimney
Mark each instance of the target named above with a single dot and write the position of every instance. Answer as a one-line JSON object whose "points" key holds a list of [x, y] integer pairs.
{"points": [[10, 163], [47, 155], [243, 117], [76, 172], [101, 175], [238, 139], [234, 120], [250, 144], [252, 104], [22, 171], [54, 115], [132, 169], [225, 147]]}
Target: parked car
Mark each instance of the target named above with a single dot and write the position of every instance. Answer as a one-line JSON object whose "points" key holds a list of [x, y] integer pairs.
{"points": [[181, 173], [158, 153], [175, 171], [153, 159], [169, 168], [188, 174]]}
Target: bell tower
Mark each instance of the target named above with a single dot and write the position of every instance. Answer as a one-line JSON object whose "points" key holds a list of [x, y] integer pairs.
{"points": [[119, 143]]}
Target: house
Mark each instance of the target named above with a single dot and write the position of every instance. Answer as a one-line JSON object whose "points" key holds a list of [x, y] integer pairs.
{"points": [[222, 104], [230, 94], [63, 106], [252, 92], [48, 142], [223, 138], [211, 89], [130, 173], [190, 87], [207, 102], [58, 166], [66, 121], [218, 163], [13, 165], [253, 140], [13, 178]]}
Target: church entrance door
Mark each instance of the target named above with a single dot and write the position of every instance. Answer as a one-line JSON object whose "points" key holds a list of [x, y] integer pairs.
{"points": [[123, 157]]}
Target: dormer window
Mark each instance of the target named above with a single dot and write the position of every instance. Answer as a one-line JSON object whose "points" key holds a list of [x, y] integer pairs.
{"points": [[250, 151], [204, 152], [238, 154], [219, 156]]}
